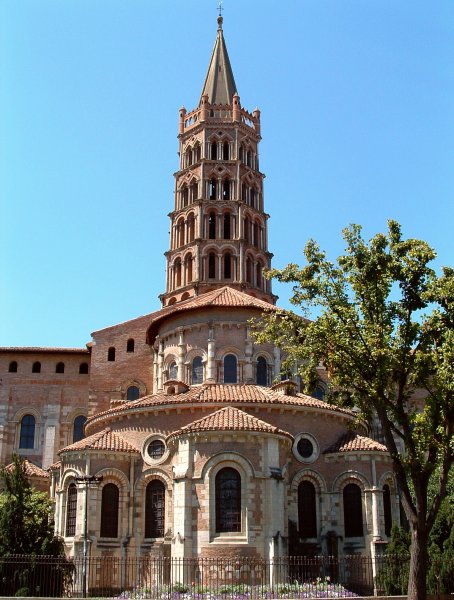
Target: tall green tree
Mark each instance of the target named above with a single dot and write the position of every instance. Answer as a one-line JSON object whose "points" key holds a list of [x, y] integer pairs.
{"points": [[26, 521], [385, 328]]}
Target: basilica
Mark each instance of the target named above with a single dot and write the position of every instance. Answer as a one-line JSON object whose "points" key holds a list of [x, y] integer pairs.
{"points": [[173, 434]]}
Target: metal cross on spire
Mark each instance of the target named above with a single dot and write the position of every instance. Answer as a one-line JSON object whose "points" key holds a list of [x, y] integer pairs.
{"points": [[220, 8]]}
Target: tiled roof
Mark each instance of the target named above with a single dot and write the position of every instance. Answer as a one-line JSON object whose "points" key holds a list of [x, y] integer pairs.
{"points": [[54, 466], [224, 296], [31, 470], [102, 440], [31, 349], [229, 419], [219, 393], [352, 442]]}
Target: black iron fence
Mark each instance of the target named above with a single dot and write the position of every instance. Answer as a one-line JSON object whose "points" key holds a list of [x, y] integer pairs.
{"points": [[202, 578]]}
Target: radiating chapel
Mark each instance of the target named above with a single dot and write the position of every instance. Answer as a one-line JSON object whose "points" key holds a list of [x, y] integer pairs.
{"points": [[199, 447]]}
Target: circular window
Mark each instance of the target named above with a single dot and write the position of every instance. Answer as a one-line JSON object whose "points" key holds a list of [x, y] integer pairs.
{"points": [[156, 449], [305, 448]]}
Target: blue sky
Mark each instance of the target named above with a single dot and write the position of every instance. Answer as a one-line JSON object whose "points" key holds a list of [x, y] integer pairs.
{"points": [[357, 101]]}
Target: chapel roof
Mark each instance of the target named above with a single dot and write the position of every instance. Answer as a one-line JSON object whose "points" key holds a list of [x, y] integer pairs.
{"points": [[224, 297], [219, 83], [229, 419], [31, 470], [352, 442], [218, 393], [102, 440]]}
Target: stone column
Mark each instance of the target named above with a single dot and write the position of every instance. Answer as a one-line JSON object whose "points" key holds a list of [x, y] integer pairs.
{"points": [[181, 355], [182, 507], [211, 363], [248, 349]]}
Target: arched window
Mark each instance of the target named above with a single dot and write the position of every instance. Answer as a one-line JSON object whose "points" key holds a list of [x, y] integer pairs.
{"points": [[248, 158], [212, 226], [226, 189], [259, 281], [241, 154], [230, 369], [191, 227], [130, 345], [60, 367], [319, 392], [211, 266], [262, 371], [180, 233], [184, 197], [189, 157], [27, 432], [132, 393], [188, 267], [78, 428], [307, 510], [214, 151], [353, 510], [109, 511], [194, 189], [154, 509], [213, 189], [12, 367], [228, 500], [196, 154], [225, 151], [36, 367], [111, 354], [227, 220], [227, 266], [71, 510], [248, 270], [387, 509], [83, 369], [177, 272], [197, 370], [253, 193], [243, 193], [173, 370]]}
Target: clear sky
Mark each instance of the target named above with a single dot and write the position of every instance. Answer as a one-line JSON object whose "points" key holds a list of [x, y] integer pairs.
{"points": [[357, 101]]}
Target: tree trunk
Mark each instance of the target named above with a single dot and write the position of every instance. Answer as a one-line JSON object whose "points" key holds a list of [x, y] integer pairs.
{"points": [[419, 559]]}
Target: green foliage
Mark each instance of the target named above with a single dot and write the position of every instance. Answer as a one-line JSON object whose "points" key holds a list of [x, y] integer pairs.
{"points": [[384, 328], [25, 516], [393, 576]]}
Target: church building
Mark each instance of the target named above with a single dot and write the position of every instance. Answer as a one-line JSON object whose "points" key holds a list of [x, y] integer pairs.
{"points": [[196, 445]]}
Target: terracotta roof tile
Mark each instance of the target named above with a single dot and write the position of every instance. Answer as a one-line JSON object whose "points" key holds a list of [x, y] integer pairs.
{"points": [[32, 349], [31, 470], [352, 442], [102, 440], [218, 393], [229, 419], [54, 466]]}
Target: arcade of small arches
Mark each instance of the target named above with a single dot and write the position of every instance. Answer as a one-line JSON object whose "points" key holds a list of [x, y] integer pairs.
{"points": [[219, 149], [229, 369], [217, 265], [219, 225], [221, 188]]}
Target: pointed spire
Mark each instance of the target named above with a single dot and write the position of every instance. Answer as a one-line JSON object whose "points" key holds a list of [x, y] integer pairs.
{"points": [[219, 83]]}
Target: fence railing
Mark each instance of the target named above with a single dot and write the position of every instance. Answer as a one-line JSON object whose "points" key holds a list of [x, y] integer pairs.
{"points": [[200, 578]]}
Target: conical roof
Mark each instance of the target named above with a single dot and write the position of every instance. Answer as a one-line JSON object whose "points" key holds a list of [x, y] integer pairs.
{"points": [[219, 83], [229, 419]]}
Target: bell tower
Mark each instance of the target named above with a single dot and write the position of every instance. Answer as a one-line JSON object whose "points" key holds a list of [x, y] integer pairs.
{"points": [[218, 226]]}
